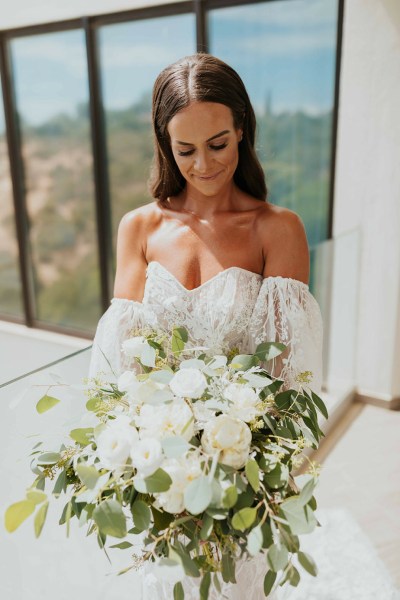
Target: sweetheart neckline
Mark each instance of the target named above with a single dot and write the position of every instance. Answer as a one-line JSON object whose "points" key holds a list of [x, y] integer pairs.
{"points": [[155, 262], [270, 278]]}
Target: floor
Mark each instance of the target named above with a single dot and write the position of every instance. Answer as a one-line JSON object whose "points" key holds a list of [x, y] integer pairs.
{"points": [[361, 472]]}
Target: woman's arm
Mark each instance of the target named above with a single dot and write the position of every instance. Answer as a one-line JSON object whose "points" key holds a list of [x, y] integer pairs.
{"points": [[130, 275]]}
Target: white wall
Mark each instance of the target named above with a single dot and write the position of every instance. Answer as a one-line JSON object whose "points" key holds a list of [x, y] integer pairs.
{"points": [[367, 187]]}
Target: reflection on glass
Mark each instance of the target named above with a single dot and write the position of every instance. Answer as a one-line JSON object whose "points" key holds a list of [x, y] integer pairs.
{"points": [[52, 99], [285, 54], [132, 55], [10, 283]]}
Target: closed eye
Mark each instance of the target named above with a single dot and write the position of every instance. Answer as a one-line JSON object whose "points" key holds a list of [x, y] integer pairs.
{"points": [[189, 152]]}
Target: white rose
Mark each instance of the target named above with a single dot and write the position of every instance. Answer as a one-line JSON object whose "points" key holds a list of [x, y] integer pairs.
{"points": [[115, 441], [182, 472], [133, 347], [244, 402], [146, 456], [188, 383], [231, 437], [174, 418]]}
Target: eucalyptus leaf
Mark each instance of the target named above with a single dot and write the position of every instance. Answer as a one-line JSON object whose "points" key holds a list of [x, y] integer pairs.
{"points": [[179, 593], [17, 513], [277, 557], [88, 474], [82, 435], [40, 518], [320, 404], [268, 350], [141, 515], [159, 481], [228, 568], [244, 518], [269, 581], [178, 551], [48, 458], [255, 541], [174, 446], [307, 491], [278, 477], [243, 361], [197, 495], [252, 473], [308, 563], [300, 518], [122, 545], [205, 586], [161, 376], [45, 403], [148, 356], [110, 519], [207, 527], [230, 497], [36, 496]]}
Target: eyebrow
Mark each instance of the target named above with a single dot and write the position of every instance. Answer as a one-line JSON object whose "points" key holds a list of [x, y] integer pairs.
{"points": [[209, 139]]}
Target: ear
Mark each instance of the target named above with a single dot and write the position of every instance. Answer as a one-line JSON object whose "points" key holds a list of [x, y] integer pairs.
{"points": [[240, 134]]}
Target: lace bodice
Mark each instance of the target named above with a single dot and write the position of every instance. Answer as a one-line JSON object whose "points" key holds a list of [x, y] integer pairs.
{"points": [[235, 308]]}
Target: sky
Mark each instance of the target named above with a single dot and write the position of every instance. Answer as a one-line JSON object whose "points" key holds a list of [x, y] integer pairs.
{"points": [[284, 50]]}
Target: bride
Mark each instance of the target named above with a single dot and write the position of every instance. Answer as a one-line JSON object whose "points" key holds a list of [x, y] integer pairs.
{"points": [[210, 253]]}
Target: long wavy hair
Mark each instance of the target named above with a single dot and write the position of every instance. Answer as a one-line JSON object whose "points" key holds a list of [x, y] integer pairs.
{"points": [[202, 77]]}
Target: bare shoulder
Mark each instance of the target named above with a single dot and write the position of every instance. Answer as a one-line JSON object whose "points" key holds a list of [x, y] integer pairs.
{"points": [[284, 241], [133, 232]]}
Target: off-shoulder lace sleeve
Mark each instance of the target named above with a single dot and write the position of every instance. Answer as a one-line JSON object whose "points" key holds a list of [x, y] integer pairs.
{"points": [[285, 311], [117, 324]]}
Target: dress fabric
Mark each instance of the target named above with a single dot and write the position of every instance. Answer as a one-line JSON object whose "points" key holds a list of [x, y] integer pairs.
{"points": [[240, 308]]}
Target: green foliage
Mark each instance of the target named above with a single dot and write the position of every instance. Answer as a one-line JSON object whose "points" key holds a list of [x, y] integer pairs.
{"points": [[45, 403]]}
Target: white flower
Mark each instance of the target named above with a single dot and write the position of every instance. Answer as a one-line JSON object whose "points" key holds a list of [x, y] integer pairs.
{"points": [[133, 347], [174, 418], [146, 456], [244, 402], [129, 383], [188, 383], [231, 437], [138, 347], [115, 441], [182, 471]]}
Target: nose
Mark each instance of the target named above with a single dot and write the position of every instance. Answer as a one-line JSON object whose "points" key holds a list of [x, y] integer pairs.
{"points": [[202, 162]]}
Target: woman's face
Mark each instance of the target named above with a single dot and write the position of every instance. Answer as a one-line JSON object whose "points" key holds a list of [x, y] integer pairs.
{"points": [[204, 143]]}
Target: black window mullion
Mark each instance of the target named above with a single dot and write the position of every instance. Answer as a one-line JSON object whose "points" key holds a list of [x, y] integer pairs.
{"points": [[18, 183], [201, 25], [100, 164], [335, 116]]}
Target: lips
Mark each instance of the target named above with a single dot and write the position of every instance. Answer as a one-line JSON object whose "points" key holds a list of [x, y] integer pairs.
{"points": [[208, 177]]}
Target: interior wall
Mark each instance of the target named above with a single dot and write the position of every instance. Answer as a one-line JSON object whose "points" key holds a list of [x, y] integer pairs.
{"points": [[367, 185]]}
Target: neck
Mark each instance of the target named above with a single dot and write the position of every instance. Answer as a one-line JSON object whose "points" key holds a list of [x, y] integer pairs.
{"points": [[206, 207]]}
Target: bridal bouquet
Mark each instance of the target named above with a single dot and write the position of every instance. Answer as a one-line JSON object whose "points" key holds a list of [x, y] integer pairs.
{"points": [[195, 453]]}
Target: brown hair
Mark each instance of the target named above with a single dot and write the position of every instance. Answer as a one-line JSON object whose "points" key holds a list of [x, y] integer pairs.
{"points": [[202, 78]]}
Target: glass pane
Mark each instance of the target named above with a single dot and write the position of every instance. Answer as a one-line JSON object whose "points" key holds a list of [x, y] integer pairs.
{"points": [[132, 55], [285, 53], [51, 90], [10, 283]]}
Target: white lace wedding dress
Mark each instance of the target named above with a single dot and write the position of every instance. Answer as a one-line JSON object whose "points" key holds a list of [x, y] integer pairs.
{"points": [[240, 308]]}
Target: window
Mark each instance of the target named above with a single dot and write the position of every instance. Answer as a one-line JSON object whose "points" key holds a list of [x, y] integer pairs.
{"points": [[285, 52], [10, 288], [51, 89], [132, 55]]}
